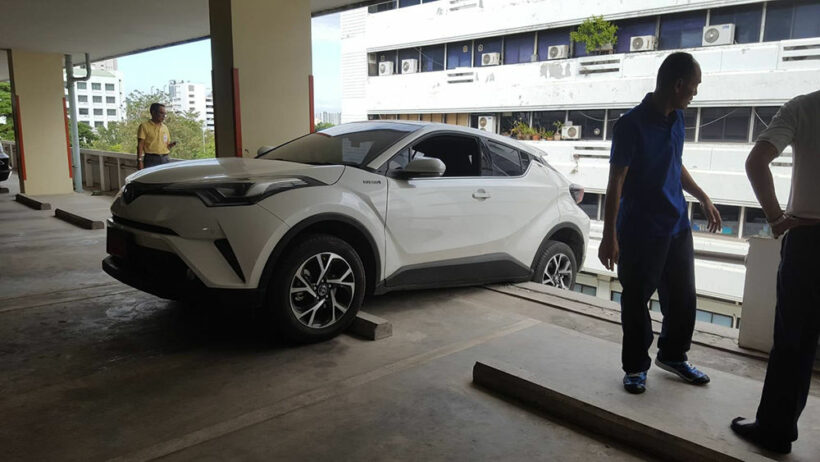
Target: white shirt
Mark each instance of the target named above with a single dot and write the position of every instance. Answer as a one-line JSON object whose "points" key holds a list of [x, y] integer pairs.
{"points": [[797, 123]]}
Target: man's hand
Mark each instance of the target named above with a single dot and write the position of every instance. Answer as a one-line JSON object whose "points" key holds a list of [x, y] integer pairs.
{"points": [[172, 144], [140, 164], [608, 252], [712, 215], [780, 226]]}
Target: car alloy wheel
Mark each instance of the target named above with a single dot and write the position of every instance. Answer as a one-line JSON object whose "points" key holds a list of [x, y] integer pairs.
{"points": [[558, 272], [322, 290]]}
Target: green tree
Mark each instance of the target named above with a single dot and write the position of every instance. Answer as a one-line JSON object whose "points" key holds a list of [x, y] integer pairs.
{"points": [[595, 32], [86, 134], [7, 128], [192, 141], [323, 125]]}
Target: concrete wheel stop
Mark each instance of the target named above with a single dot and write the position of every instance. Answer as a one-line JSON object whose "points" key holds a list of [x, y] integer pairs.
{"points": [[370, 327], [78, 220], [29, 201], [4, 190]]}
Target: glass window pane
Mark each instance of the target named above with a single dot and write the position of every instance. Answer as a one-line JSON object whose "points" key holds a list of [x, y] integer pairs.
{"points": [[703, 316], [655, 305], [591, 121], [432, 58], [509, 119], [729, 214], [806, 20], [762, 118], [111, 112], [390, 57], [590, 290], [722, 320], [682, 30], [545, 120], [409, 53], [612, 116], [630, 28], [459, 54], [505, 160], [746, 19], [486, 45], [615, 296], [81, 86], [83, 111], [82, 98], [405, 3], [724, 124], [96, 86], [779, 16], [97, 111], [519, 48], [690, 119], [548, 38], [589, 204], [755, 223]]}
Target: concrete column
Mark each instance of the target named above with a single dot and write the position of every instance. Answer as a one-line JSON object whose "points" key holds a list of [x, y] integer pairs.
{"points": [[38, 97], [261, 58]]}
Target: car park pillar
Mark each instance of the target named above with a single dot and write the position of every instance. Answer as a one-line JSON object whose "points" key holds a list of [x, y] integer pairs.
{"points": [[261, 58]]}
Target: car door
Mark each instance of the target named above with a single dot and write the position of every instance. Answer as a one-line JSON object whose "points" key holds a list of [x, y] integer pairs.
{"points": [[522, 205], [435, 226]]}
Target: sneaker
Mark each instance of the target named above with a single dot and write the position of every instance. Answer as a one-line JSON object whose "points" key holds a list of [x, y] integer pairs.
{"points": [[684, 370], [751, 432], [635, 383]]}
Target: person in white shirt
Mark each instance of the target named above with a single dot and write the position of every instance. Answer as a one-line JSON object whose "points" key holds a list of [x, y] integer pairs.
{"points": [[797, 314]]}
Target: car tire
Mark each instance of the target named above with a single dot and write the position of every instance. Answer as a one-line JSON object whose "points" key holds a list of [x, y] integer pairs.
{"points": [[322, 300], [556, 266]]}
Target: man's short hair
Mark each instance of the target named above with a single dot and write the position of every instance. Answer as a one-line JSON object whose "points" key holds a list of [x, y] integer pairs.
{"points": [[155, 107], [676, 66]]}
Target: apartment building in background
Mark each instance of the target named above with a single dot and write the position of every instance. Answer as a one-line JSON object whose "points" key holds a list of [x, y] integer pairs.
{"points": [[189, 96], [100, 99], [490, 64]]}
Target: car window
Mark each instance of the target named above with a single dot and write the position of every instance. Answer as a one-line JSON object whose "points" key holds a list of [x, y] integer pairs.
{"points": [[501, 160], [460, 154]]}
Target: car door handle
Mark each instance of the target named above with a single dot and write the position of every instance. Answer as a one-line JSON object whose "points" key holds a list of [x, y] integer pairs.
{"points": [[481, 194]]}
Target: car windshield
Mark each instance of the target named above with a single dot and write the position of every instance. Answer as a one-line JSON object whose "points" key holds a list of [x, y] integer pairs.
{"points": [[350, 144]]}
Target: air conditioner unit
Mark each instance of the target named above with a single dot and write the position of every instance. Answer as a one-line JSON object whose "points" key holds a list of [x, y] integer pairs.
{"points": [[486, 123], [571, 132], [718, 34], [409, 66], [386, 68], [558, 52], [490, 59], [642, 43]]}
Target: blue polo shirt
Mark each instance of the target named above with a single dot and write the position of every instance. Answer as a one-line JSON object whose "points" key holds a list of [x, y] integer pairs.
{"points": [[651, 145]]}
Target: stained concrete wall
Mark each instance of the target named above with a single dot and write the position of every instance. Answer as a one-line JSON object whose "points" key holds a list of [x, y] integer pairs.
{"points": [[37, 83]]}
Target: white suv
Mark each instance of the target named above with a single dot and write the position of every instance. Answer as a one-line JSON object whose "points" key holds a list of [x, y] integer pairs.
{"points": [[307, 229]]}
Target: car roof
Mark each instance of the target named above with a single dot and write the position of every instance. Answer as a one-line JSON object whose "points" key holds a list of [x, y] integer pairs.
{"points": [[428, 127]]}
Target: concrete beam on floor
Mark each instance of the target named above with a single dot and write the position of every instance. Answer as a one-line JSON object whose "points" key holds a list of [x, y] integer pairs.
{"points": [[4, 190], [370, 327], [29, 201], [78, 220]]}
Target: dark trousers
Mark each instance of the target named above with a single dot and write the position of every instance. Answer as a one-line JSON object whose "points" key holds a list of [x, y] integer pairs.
{"points": [[796, 328], [152, 160], [667, 265]]}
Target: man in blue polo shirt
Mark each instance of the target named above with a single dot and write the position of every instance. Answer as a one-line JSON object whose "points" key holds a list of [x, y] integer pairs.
{"points": [[652, 241]]}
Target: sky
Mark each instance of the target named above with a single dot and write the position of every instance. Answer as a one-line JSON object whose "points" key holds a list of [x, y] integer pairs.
{"points": [[192, 62]]}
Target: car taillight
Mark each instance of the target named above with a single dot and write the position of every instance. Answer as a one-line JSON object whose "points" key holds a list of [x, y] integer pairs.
{"points": [[577, 192]]}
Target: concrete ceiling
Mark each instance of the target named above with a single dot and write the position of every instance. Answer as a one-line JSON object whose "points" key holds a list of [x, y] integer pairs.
{"points": [[112, 28]]}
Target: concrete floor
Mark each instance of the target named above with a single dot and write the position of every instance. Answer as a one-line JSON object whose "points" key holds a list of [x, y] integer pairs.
{"points": [[95, 370]]}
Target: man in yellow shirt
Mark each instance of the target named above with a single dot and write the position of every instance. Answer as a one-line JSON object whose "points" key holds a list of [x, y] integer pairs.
{"points": [[153, 139]]}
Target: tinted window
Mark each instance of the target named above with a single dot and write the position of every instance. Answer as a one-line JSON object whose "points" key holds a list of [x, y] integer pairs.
{"points": [[631, 28], [589, 204], [404, 3], [548, 38], [585, 289], [690, 121], [591, 121], [432, 58], [460, 154], [683, 30], [762, 118], [545, 120], [519, 48], [81, 86], [501, 161], [724, 124], [349, 144], [96, 86], [792, 20], [459, 55], [389, 57], [746, 19], [486, 45], [509, 119], [729, 214]]}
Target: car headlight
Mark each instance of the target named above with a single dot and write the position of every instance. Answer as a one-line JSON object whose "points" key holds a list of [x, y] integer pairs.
{"points": [[243, 192]]}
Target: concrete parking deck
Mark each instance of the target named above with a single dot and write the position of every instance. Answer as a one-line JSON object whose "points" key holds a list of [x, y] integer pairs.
{"points": [[96, 370]]}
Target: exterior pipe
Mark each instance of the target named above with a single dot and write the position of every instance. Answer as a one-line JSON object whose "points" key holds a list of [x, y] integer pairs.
{"points": [[76, 164]]}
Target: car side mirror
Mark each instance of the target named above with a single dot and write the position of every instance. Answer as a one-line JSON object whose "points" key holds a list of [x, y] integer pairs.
{"points": [[427, 167]]}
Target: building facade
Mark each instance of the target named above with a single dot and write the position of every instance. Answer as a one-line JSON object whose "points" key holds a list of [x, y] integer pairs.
{"points": [[100, 99], [194, 97], [492, 64]]}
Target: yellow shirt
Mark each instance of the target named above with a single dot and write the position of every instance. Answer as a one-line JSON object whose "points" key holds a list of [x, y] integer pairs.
{"points": [[156, 137]]}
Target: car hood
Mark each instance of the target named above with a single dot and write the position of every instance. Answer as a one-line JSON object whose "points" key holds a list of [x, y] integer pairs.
{"points": [[233, 168]]}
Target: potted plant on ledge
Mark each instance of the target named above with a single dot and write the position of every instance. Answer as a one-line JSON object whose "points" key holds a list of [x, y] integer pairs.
{"points": [[557, 134], [597, 34]]}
